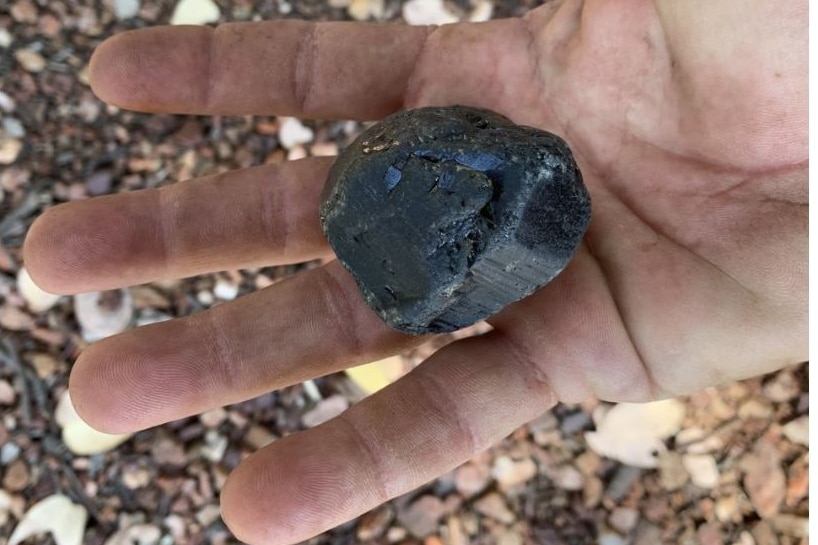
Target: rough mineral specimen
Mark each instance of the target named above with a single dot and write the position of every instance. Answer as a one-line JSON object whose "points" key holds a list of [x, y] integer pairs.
{"points": [[446, 215]]}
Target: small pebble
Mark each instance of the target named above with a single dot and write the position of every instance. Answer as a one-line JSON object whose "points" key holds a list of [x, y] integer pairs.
{"points": [[30, 60], [325, 410], [493, 505], [623, 519], [5, 38], [509, 536], [6, 102], [727, 508], [311, 390], [610, 538], [125, 9], [568, 477], [195, 12], [782, 388], [5, 506], [324, 149], [592, 491], [10, 149], [166, 451], [13, 127], [215, 446], [7, 394], [622, 481], [103, 314], [363, 10], [745, 538], [134, 477], [395, 534], [482, 11], [703, 470], [24, 11], [213, 418], [764, 534], [136, 534], [510, 473], [588, 462], [790, 525], [208, 514], [374, 524], [764, 479], [470, 479], [427, 12], [647, 534], [205, 298], [797, 430], [225, 290], [709, 533], [99, 183], [284, 7], [177, 527], [16, 476], [15, 319], [575, 422], [421, 517], [292, 133], [37, 299], [8, 453], [49, 26], [297, 153], [755, 408]]}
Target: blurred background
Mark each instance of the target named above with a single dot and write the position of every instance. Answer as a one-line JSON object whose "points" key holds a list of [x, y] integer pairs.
{"points": [[726, 466]]}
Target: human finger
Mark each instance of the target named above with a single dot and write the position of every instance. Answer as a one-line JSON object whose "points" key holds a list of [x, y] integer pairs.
{"points": [[573, 328], [306, 326], [462, 400], [331, 69], [264, 215]]}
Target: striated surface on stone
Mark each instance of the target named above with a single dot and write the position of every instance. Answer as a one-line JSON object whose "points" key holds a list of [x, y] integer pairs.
{"points": [[445, 215]]}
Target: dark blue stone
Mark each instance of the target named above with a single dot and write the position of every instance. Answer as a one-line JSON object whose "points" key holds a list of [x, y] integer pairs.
{"points": [[445, 215]]}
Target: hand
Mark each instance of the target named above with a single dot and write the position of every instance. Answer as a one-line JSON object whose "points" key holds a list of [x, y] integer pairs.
{"points": [[689, 121]]}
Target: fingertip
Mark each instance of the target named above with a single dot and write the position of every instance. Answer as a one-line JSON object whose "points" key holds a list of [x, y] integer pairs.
{"points": [[116, 68], [68, 251], [237, 519], [150, 69], [99, 69], [93, 403], [239, 511], [46, 255], [293, 489]]}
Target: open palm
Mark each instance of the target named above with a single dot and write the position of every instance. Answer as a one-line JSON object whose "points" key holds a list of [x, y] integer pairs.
{"points": [[688, 121]]}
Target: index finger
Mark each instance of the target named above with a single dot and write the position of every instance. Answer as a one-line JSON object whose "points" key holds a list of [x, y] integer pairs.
{"points": [[331, 70]]}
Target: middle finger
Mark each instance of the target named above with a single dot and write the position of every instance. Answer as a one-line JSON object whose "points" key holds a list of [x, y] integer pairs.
{"points": [[306, 326]]}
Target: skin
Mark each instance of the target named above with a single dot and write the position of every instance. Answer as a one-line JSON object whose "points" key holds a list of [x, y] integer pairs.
{"points": [[688, 120]]}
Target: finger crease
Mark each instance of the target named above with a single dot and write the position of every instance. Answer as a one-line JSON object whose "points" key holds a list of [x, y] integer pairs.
{"points": [[411, 90], [275, 213], [527, 364], [652, 386], [225, 366], [305, 65], [533, 52], [168, 210], [337, 303], [210, 83], [440, 400], [374, 466]]}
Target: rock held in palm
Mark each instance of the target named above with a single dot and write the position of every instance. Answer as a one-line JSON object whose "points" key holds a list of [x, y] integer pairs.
{"points": [[445, 215]]}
